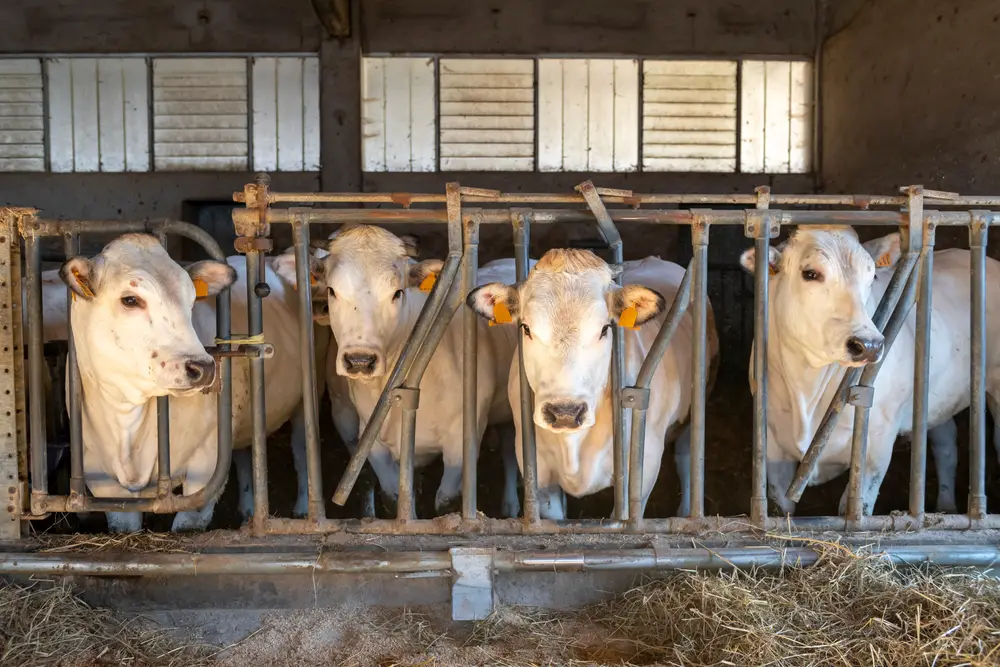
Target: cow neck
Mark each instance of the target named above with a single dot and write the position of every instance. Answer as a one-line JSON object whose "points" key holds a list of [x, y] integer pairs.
{"points": [[415, 301], [117, 420], [808, 388]]}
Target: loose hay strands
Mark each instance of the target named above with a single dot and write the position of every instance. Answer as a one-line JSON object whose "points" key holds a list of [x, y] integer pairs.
{"points": [[47, 625], [138, 542]]}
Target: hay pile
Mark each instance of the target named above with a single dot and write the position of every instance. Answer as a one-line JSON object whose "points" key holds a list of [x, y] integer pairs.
{"points": [[47, 625]]}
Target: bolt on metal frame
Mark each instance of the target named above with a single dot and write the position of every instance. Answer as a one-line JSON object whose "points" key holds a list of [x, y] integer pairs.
{"points": [[760, 221]]}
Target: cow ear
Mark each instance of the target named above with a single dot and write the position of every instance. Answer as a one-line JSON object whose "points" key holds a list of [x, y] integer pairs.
{"points": [[210, 277], [634, 305], [749, 257], [411, 245], [495, 302], [424, 274], [284, 266], [79, 274], [885, 251]]}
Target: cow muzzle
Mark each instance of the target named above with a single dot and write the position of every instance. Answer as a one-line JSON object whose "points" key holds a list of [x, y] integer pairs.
{"points": [[361, 363], [865, 349], [564, 415]]}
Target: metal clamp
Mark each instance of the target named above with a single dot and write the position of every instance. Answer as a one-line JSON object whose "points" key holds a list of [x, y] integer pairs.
{"points": [[255, 351], [979, 226], [861, 396], [472, 585], [636, 398], [247, 244], [407, 398], [758, 220]]}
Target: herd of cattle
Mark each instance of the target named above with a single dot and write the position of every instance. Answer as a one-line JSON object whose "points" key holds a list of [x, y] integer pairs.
{"points": [[141, 322]]}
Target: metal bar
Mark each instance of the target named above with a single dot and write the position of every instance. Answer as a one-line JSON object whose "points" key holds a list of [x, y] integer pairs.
{"points": [[36, 367], [255, 326], [921, 365], [609, 232], [699, 379], [859, 441], [887, 306], [470, 375], [307, 360], [412, 349], [163, 485], [637, 440], [978, 237], [77, 484], [761, 233], [521, 221], [405, 507]]}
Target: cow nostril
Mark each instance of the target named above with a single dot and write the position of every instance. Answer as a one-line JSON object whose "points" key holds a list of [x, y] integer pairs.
{"points": [[360, 361], [195, 370], [565, 415], [855, 347]]}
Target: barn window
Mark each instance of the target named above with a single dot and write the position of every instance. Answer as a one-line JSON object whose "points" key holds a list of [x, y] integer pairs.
{"points": [[398, 126], [588, 114], [22, 122], [776, 104], [286, 114], [689, 115], [98, 114]]}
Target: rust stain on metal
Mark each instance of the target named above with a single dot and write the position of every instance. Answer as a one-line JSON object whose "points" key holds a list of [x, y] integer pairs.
{"points": [[403, 199], [245, 244]]}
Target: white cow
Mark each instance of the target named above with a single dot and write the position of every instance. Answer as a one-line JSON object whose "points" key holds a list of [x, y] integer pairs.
{"points": [[566, 310], [140, 334], [823, 293], [374, 300]]}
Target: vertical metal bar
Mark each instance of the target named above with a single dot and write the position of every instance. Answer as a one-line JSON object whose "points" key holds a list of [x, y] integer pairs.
{"points": [[760, 230], [699, 306], [859, 455], [521, 220], [224, 401], [36, 367], [405, 507], [921, 367], [637, 455], [13, 443], [163, 486], [307, 360], [470, 375], [77, 484], [978, 237], [255, 326]]}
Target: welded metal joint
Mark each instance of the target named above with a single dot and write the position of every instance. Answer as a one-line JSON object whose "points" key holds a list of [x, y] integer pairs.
{"points": [[472, 583], [979, 225], [257, 197], [699, 227], [914, 229], [635, 398], [407, 398], [763, 193], [861, 396], [761, 223]]}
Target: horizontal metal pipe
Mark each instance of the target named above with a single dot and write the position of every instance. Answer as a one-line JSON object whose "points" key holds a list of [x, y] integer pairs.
{"points": [[185, 229], [405, 562]]}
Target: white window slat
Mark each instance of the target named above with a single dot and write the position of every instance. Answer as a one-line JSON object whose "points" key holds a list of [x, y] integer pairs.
{"points": [[776, 123], [575, 95], [310, 114], [135, 80], [181, 102], [265, 115], [601, 115], [492, 100], [777, 93], [752, 118], [801, 117], [285, 112], [111, 119], [689, 115], [22, 140], [550, 114], [626, 147], [290, 129], [398, 123]]}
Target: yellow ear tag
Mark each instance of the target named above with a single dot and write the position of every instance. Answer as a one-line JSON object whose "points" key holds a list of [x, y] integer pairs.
{"points": [[500, 314], [427, 284], [83, 286], [628, 317], [312, 279], [883, 261], [200, 289], [771, 270]]}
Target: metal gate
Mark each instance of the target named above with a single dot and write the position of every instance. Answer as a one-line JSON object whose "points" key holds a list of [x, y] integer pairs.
{"points": [[626, 540]]}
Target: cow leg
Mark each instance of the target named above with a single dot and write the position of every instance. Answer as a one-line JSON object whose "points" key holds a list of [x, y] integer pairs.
{"points": [[944, 448], [364, 488], [102, 485], [243, 461], [345, 420], [450, 487], [994, 406], [511, 506], [682, 459], [387, 471], [780, 473], [552, 503], [299, 458], [124, 522], [880, 442], [199, 471]]}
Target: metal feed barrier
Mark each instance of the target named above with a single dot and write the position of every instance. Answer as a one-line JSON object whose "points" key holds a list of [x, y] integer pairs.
{"points": [[464, 210]]}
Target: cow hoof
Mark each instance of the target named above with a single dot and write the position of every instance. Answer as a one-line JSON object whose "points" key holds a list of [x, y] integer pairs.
{"points": [[390, 506], [510, 509], [447, 505], [301, 508], [188, 522]]}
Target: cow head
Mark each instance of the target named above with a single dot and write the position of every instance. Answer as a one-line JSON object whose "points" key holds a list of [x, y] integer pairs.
{"points": [[566, 310], [822, 279], [367, 277], [132, 318], [284, 266]]}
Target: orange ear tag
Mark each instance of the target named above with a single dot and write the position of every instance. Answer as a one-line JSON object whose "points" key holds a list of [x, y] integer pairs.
{"points": [[312, 279], [83, 285], [883, 261], [771, 271], [500, 314], [200, 289], [427, 284], [628, 317]]}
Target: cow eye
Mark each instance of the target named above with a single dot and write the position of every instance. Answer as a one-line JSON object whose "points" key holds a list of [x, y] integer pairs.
{"points": [[130, 301], [605, 330], [526, 330], [811, 276], [329, 290], [397, 295]]}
